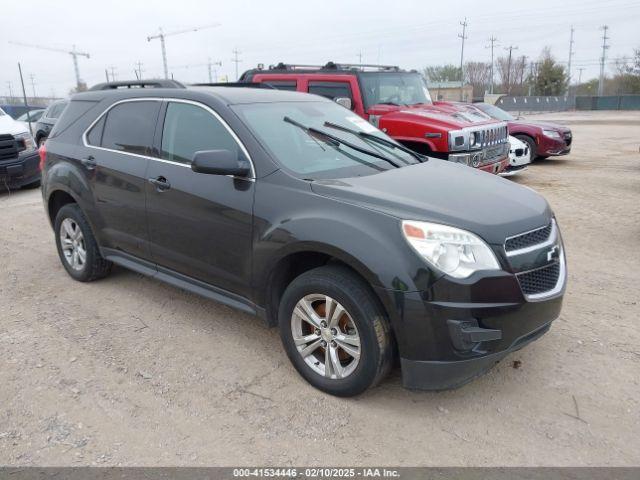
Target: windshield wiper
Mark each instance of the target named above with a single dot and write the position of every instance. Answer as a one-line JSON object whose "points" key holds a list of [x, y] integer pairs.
{"points": [[375, 138], [338, 141]]}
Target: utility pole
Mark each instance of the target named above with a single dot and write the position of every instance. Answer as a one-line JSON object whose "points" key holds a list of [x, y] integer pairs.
{"points": [[10, 92], [511, 48], [360, 57], [463, 37], [236, 60], [33, 84], [493, 41], [603, 59], [524, 66], [569, 64], [113, 73], [106, 74], [210, 66], [139, 69], [531, 77], [581, 69]]}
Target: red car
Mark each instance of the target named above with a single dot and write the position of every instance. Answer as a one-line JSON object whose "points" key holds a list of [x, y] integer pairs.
{"points": [[398, 103], [545, 139]]}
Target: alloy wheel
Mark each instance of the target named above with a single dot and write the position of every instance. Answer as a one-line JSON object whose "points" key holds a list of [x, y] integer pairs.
{"points": [[325, 336], [72, 243]]}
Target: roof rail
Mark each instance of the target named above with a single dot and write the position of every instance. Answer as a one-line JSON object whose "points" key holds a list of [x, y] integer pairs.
{"points": [[336, 66], [160, 83], [234, 84]]}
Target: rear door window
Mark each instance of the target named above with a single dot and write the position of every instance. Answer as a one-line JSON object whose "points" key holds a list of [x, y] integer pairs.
{"points": [[129, 127], [331, 90]]}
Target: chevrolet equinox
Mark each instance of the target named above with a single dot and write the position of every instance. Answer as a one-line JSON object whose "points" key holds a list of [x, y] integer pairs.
{"points": [[290, 207]]}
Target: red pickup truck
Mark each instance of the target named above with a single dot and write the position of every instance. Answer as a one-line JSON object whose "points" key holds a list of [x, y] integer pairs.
{"points": [[398, 102]]}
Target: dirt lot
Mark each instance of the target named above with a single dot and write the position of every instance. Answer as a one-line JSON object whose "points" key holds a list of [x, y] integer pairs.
{"points": [[130, 371]]}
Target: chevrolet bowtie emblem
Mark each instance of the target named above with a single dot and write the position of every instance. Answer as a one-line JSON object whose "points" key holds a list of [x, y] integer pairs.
{"points": [[553, 254]]}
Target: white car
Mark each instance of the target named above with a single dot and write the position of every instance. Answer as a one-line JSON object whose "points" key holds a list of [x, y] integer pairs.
{"points": [[19, 160], [519, 157], [35, 116]]}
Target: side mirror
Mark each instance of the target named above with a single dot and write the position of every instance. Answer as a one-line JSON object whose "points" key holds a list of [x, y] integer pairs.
{"points": [[345, 102], [219, 162]]}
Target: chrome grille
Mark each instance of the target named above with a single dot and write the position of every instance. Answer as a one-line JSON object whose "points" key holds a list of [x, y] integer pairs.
{"points": [[8, 147], [539, 280], [528, 239]]}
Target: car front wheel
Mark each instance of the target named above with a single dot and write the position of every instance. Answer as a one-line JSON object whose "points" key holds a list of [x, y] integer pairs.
{"points": [[334, 331]]}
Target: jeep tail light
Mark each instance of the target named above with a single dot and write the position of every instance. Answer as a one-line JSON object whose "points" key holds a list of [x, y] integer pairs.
{"points": [[42, 151]]}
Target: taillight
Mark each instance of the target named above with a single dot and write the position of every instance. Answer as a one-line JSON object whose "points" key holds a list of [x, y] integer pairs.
{"points": [[42, 151]]}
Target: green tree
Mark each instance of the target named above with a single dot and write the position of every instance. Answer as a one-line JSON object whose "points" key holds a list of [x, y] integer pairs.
{"points": [[550, 77], [442, 73]]}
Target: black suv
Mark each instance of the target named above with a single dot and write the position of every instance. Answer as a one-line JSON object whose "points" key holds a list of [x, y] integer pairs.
{"points": [[288, 206], [48, 119]]}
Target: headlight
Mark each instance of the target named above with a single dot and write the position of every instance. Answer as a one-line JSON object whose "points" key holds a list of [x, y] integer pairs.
{"points": [[551, 134], [453, 251], [27, 140]]}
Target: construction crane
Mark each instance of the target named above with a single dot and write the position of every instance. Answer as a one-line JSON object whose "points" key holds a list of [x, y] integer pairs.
{"points": [[210, 67], [161, 35], [73, 52]]}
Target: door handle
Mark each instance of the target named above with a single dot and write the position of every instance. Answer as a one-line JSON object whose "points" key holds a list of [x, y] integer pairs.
{"points": [[89, 162], [160, 183]]}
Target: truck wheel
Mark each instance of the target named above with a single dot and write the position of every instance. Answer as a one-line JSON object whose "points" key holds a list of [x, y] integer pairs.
{"points": [[531, 142], [334, 331], [77, 247]]}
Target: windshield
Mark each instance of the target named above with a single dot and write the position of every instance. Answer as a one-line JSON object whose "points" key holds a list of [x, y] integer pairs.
{"points": [[399, 88], [494, 112], [314, 156], [34, 114]]}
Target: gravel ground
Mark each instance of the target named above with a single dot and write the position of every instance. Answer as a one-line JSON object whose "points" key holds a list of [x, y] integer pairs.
{"points": [[129, 371]]}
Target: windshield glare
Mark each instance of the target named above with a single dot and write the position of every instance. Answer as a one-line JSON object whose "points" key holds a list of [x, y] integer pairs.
{"points": [[495, 112], [401, 88], [312, 156]]}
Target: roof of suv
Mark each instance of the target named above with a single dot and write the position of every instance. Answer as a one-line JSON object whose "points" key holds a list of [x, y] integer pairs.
{"points": [[229, 95]]}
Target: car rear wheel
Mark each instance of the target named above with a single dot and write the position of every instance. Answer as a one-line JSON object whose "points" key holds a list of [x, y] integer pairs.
{"points": [[334, 331], [531, 142], [77, 247]]}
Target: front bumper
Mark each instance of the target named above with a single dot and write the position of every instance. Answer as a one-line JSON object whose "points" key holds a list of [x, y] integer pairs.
{"points": [[20, 171], [492, 159], [550, 147], [435, 375], [458, 329]]}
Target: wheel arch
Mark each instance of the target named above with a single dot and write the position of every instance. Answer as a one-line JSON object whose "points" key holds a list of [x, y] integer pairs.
{"points": [[58, 198], [304, 257]]}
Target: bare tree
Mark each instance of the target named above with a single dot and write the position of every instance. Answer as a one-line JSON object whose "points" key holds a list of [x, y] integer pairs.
{"points": [[477, 74]]}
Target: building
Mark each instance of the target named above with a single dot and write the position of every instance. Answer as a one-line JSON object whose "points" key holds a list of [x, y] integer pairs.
{"points": [[450, 91]]}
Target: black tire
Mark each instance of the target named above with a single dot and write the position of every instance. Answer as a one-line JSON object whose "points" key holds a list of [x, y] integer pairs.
{"points": [[349, 290], [94, 267], [532, 145]]}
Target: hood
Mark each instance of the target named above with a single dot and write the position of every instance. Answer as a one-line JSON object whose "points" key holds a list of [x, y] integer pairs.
{"points": [[447, 115], [545, 125], [9, 126], [448, 193]]}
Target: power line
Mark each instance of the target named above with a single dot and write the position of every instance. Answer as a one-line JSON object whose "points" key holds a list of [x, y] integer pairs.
{"points": [[463, 37], [236, 60], [603, 59], [493, 41]]}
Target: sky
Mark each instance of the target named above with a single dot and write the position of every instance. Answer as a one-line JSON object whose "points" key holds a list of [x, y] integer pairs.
{"points": [[408, 33]]}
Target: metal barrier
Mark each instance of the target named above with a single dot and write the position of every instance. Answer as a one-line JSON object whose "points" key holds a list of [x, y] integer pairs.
{"points": [[609, 102], [536, 103]]}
